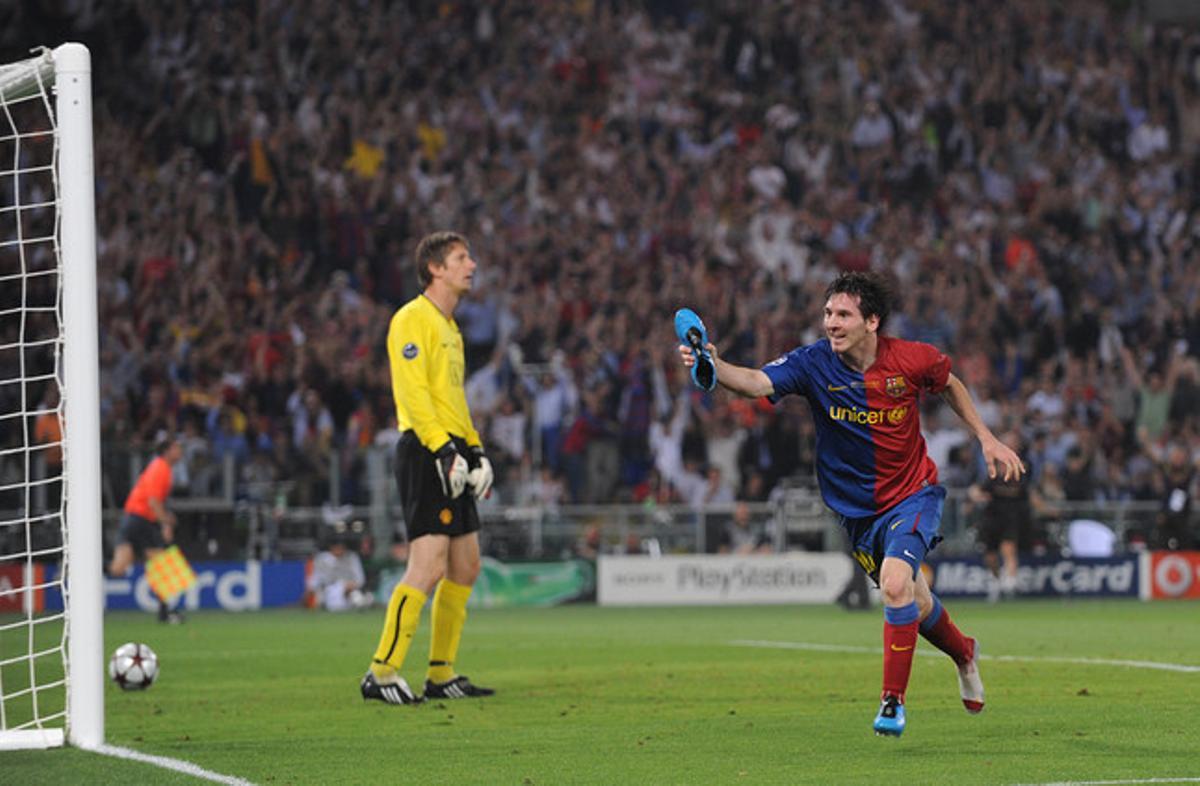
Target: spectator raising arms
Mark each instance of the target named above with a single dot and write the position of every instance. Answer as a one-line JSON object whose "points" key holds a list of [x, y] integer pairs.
{"points": [[608, 165]]}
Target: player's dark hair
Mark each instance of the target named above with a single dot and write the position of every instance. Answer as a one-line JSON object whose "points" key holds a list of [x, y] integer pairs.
{"points": [[162, 445], [873, 291], [433, 250]]}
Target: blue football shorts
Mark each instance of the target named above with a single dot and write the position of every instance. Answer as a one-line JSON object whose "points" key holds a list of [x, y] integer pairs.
{"points": [[907, 531]]}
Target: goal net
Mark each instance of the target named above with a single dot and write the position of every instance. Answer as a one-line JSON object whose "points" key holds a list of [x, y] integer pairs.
{"points": [[51, 683]]}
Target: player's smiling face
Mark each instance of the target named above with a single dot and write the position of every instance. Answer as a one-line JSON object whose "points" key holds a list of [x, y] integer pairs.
{"points": [[844, 323], [457, 271]]}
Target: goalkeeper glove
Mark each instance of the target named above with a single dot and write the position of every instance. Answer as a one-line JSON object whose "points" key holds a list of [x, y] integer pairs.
{"points": [[481, 476], [451, 469]]}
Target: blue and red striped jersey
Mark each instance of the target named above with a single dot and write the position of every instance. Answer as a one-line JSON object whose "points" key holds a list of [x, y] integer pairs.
{"points": [[870, 452]]}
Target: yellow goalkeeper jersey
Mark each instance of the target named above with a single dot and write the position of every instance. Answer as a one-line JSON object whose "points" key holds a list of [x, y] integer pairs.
{"points": [[425, 351]]}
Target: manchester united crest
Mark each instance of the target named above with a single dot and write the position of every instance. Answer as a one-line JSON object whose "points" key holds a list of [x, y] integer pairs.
{"points": [[895, 387]]}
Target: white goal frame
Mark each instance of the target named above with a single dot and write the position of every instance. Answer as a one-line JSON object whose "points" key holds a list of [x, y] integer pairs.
{"points": [[69, 69]]}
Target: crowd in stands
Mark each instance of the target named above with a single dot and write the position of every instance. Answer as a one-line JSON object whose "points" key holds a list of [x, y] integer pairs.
{"points": [[1026, 170]]}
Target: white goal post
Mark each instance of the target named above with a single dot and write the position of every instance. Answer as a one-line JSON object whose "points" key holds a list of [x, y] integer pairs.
{"points": [[46, 111]]}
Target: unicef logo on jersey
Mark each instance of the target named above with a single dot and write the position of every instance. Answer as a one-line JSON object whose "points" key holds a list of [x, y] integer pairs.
{"points": [[872, 417], [779, 361], [410, 350]]}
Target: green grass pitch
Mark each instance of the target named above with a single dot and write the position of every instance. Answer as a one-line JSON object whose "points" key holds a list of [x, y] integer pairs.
{"points": [[653, 696]]}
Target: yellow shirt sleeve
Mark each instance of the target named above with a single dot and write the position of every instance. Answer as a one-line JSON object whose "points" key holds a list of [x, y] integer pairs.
{"points": [[473, 438]]}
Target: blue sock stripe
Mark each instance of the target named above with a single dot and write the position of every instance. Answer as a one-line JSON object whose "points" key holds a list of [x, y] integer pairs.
{"points": [[901, 615], [935, 614]]}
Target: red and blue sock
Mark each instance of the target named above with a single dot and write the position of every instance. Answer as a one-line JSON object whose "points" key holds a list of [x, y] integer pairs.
{"points": [[899, 644], [940, 631]]}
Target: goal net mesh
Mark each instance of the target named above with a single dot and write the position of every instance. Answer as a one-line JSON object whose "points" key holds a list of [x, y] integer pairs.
{"points": [[33, 629]]}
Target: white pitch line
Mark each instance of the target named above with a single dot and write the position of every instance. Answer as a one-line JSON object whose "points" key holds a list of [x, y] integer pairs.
{"points": [[178, 765], [1132, 664], [1114, 783]]}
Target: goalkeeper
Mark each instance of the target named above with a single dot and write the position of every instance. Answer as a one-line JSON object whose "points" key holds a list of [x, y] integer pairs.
{"points": [[441, 470]]}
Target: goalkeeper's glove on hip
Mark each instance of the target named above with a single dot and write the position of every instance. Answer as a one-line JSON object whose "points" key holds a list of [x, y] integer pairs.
{"points": [[451, 469], [480, 477]]}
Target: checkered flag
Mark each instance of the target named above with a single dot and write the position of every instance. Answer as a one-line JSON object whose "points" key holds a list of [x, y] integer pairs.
{"points": [[169, 574]]}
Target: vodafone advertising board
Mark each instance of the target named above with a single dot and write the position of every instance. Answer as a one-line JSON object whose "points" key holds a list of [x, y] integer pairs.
{"points": [[1174, 574], [721, 579]]}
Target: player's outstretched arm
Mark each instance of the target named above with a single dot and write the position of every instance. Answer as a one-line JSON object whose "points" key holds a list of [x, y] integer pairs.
{"points": [[1000, 458], [748, 382]]}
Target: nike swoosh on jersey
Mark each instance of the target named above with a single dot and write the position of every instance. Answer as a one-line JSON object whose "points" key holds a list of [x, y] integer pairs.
{"points": [[901, 649], [836, 388], [909, 554], [896, 523]]}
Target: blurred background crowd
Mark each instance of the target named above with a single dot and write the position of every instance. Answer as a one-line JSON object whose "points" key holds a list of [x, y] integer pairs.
{"points": [[1026, 170]]}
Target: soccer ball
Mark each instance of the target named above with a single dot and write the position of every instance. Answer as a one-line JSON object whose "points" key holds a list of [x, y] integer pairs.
{"points": [[133, 666]]}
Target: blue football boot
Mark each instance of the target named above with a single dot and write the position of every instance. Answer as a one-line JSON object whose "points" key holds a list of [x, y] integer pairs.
{"points": [[691, 332], [890, 720]]}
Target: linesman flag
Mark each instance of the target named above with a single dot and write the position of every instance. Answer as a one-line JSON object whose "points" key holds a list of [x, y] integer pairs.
{"points": [[169, 573]]}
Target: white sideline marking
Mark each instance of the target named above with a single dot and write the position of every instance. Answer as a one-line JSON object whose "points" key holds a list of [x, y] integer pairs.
{"points": [[1133, 664], [1114, 783], [178, 765]]}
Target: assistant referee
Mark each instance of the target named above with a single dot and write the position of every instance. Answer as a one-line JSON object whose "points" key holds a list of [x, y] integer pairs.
{"points": [[440, 470]]}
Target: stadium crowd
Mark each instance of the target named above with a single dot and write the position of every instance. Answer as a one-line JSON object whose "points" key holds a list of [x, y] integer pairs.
{"points": [[1026, 170]]}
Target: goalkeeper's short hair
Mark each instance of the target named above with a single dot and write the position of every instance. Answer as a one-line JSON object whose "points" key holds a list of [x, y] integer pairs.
{"points": [[432, 250]]}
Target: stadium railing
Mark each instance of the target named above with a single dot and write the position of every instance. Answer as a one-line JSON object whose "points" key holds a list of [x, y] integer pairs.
{"points": [[249, 529], [261, 520]]}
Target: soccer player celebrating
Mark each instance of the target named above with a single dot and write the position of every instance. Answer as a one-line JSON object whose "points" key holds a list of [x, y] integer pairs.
{"points": [[441, 470], [863, 389], [147, 526]]}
